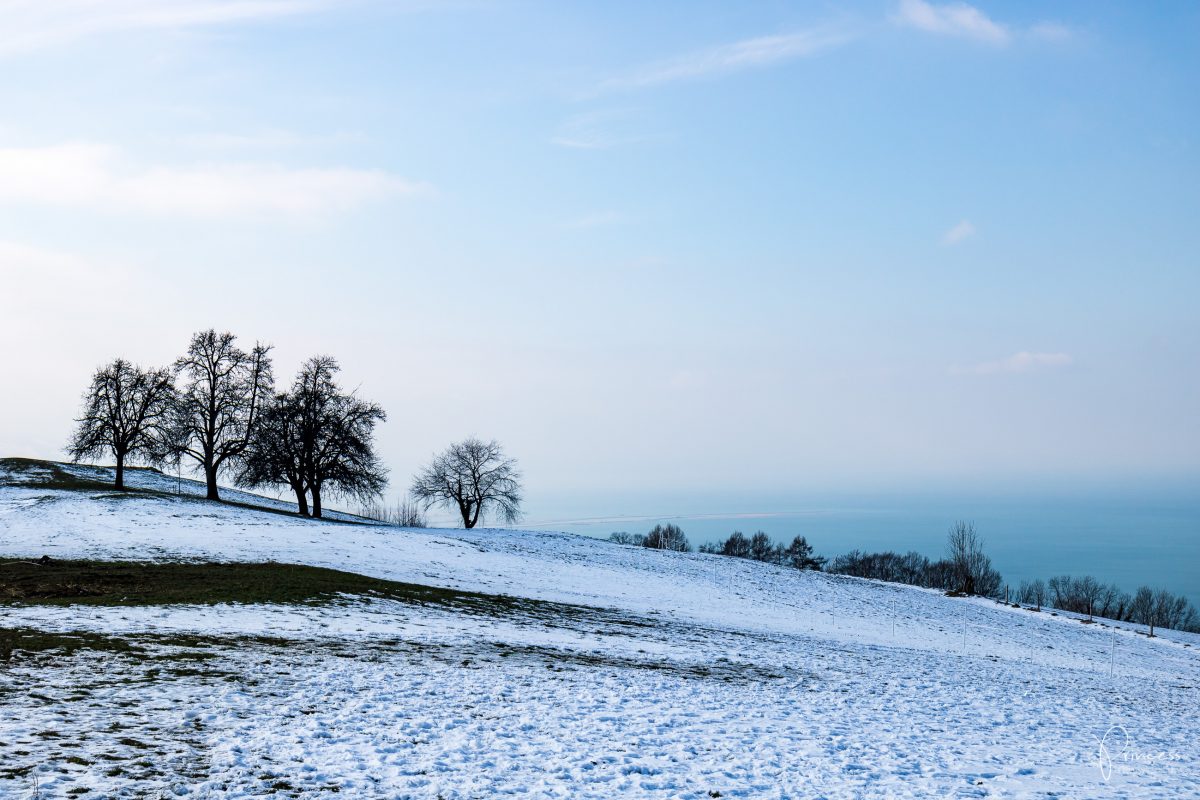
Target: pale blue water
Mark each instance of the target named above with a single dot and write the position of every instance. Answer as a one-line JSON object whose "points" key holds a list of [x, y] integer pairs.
{"points": [[1129, 539]]}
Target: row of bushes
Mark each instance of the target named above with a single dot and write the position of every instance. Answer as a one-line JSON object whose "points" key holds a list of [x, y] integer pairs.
{"points": [[1086, 595], [965, 570], [759, 547]]}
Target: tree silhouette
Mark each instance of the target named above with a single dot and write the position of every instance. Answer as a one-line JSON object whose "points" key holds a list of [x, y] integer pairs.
{"points": [[125, 412]]}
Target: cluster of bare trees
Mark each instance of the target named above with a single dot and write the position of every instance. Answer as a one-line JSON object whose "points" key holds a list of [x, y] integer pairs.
{"points": [[217, 408], [966, 569], [1154, 608], [661, 537], [759, 547]]}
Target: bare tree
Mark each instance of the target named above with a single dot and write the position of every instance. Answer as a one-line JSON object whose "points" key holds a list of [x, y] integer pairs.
{"points": [[1143, 608], [276, 454], [473, 477], [125, 411], [1089, 592], [338, 435], [223, 391], [317, 440], [973, 571], [1033, 593]]}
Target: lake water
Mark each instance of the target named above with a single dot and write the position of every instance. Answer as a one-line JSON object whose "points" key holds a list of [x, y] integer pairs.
{"points": [[1149, 538]]}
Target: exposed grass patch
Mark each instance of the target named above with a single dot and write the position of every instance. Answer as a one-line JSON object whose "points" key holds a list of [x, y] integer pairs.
{"points": [[123, 583], [119, 583], [48, 475], [30, 640]]}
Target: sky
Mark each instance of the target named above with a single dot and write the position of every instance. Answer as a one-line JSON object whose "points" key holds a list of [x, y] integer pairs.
{"points": [[718, 248]]}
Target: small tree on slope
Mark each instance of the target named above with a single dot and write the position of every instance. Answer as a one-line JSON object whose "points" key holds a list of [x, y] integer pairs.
{"points": [[475, 478]]}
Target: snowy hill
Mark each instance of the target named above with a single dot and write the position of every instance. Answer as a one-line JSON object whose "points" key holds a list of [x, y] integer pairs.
{"points": [[697, 675]]}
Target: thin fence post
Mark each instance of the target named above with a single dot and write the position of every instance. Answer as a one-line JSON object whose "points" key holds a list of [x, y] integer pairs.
{"points": [[1112, 653]]}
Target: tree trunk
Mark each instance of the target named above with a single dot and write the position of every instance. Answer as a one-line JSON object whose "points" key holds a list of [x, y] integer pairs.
{"points": [[464, 508], [316, 496], [301, 500], [120, 482], [210, 477]]}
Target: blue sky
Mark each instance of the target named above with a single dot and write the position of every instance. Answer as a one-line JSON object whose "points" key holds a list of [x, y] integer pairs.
{"points": [[661, 246]]}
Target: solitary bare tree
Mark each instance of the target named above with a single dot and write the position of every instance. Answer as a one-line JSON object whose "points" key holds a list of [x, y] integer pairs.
{"points": [[223, 392], [125, 412], [474, 477], [1144, 608], [972, 569]]}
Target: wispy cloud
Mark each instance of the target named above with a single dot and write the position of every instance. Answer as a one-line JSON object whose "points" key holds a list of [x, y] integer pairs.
{"points": [[745, 54], [958, 233], [1024, 361], [30, 25], [96, 176], [600, 130], [952, 19], [968, 22]]}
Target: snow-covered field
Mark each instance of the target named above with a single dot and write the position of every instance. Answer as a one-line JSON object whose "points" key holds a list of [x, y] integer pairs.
{"points": [[696, 676]]}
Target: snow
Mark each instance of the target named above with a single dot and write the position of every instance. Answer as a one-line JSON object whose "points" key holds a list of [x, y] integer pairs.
{"points": [[736, 677]]}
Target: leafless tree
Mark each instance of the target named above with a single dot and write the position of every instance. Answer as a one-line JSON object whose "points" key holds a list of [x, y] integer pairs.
{"points": [[317, 440], [474, 477], [338, 429], [276, 453], [1089, 591], [972, 568], [1033, 593], [125, 412], [221, 396], [1144, 609]]}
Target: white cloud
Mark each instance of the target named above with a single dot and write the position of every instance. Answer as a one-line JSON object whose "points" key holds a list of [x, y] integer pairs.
{"points": [[94, 175], [952, 19], [30, 25], [959, 232], [1024, 361], [748, 53]]}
